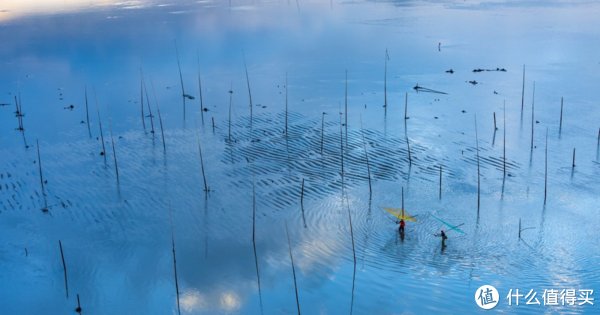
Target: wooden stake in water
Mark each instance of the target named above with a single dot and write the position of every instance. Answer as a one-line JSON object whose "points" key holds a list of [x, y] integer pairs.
{"points": [[150, 108], [78, 309], [573, 165], [504, 144], [286, 106], [478, 169], [387, 57], [87, 114], [162, 131], [495, 128], [183, 95], [368, 166], [103, 153], [519, 228], [532, 114], [143, 116], [440, 195], [322, 131], [523, 91], [546, 168], [200, 92], [45, 209], [293, 268], [249, 93], [206, 189], [175, 272], [230, 103], [405, 107], [353, 255], [62, 256], [112, 140], [254, 244], [346, 108], [408, 149], [561, 117]]}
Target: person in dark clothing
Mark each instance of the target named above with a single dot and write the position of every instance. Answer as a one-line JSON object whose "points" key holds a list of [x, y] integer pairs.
{"points": [[402, 226], [444, 238]]}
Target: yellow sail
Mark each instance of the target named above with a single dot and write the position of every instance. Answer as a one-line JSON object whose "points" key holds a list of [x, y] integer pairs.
{"points": [[400, 214]]}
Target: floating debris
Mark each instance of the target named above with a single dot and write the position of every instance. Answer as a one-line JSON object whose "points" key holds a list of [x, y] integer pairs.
{"points": [[423, 89]]}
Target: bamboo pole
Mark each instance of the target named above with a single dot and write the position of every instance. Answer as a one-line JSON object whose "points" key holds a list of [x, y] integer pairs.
{"points": [[143, 116], [254, 243], [45, 209], [206, 188], [200, 91], [112, 140], [523, 92], [175, 272], [353, 254], [368, 166], [293, 268], [532, 114], [249, 92], [183, 95], [478, 169], [62, 256], [546, 168], [87, 114], [561, 117]]}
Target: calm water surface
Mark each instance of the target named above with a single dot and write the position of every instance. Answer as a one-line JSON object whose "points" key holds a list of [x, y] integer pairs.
{"points": [[117, 238]]}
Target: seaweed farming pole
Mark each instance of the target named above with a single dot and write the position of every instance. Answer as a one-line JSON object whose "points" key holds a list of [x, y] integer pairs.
{"points": [[573, 165], [183, 95], [504, 145], [175, 272], [150, 109], [353, 255], [545, 169], [249, 92], [206, 189], [478, 169], [342, 149], [408, 149], [293, 268], [78, 309], [162, 131], [561, 117], [495, 128], [254, 244], [346, 108], [405, 108], [286, 106], [368, 166], [387, 57], [103, 153], [523, 91], [62, 256], [87, 114], [200, 92], [302, 195], [440, 195], [323, 131], [112, 140], [142, 102], [230, 101], [45, 209], [532, 114]]}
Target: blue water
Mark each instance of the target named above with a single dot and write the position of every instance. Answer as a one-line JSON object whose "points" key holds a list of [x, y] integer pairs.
{"points": [[117, 237]]}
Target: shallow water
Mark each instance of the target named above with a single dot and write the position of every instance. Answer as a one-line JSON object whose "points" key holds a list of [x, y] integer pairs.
{"points": [[117, 239]]}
